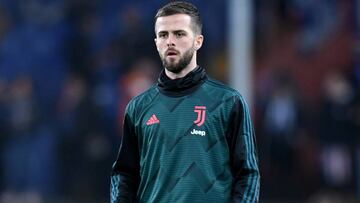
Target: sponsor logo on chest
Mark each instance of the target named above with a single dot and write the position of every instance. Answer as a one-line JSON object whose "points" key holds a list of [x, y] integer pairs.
{"points": [[198, 132]]}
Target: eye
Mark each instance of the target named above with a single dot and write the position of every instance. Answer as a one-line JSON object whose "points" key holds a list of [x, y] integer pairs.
{"points": [[180, 34], [162, 35]]}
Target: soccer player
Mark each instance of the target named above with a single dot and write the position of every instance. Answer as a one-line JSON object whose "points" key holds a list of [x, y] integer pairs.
{"points": [[188, 138]]}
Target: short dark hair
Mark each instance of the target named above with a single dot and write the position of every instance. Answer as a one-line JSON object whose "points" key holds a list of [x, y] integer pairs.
{"points": [[182, 7]]}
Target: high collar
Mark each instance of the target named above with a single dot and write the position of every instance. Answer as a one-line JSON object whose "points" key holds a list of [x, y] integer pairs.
{"points": [[181, 86]]}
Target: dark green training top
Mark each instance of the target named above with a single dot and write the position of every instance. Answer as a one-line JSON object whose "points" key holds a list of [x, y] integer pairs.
{"points": [[188, 140]]}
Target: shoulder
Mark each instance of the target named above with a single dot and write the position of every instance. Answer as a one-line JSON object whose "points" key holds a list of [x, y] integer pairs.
{"points": [[222, 90], [230, 97], [141, 101]]}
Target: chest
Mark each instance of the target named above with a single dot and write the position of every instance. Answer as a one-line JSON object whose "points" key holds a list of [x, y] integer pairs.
{"points": [[189, 120]]}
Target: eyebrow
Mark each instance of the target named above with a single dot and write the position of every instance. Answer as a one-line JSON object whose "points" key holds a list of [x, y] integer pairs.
{"points": [[174, 31]]}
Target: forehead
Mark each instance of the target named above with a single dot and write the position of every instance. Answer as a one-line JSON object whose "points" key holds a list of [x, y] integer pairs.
{"points": [[173, 22]]}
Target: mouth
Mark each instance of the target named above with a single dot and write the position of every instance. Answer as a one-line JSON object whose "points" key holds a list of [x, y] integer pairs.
{"points": [[171, 53]]}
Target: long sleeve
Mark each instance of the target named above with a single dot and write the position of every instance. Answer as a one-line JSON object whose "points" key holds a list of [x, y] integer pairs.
{"points": [[243, 154], [125, 172]]}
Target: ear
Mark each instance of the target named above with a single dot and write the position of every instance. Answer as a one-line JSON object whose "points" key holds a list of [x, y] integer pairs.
{"points": [[155, 40], [198, 41]]}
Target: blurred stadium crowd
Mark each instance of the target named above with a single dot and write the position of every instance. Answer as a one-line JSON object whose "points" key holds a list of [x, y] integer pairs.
{"points": [[308, 99], [68, 68]]}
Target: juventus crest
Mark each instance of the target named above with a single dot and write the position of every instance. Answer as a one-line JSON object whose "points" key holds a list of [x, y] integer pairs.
{"points": [[201, 115]]}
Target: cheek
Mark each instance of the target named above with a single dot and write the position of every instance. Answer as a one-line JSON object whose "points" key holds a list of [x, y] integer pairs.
{"points": [[187, 47], [161, 50], [159, 47], [187, 44]]}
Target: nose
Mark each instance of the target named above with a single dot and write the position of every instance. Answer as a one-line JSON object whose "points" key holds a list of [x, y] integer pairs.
{"points": [[170, 41]]}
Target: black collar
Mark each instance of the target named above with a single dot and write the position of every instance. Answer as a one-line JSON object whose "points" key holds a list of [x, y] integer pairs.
{"points": [[181, 86]]}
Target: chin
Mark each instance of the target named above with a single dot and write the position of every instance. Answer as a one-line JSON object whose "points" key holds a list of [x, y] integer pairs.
{"points": [[174, 69]]}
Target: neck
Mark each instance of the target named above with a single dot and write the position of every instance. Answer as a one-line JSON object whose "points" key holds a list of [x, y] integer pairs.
{"points": [[182, 86]]}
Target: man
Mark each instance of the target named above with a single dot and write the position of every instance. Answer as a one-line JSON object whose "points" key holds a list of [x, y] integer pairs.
{"points": [[188, 138]]}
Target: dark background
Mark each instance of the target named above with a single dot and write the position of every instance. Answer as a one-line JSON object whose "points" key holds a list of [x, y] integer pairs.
{"points": [[69, 67]]}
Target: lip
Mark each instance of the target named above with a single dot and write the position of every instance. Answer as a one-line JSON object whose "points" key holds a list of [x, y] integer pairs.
{"points": [[171, 56], [171, 53]]}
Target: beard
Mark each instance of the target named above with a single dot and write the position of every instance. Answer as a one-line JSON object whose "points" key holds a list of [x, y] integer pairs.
{"points": [[184, 60]]}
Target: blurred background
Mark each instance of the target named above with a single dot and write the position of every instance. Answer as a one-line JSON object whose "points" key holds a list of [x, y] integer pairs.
{"points": [[69, 67]]}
